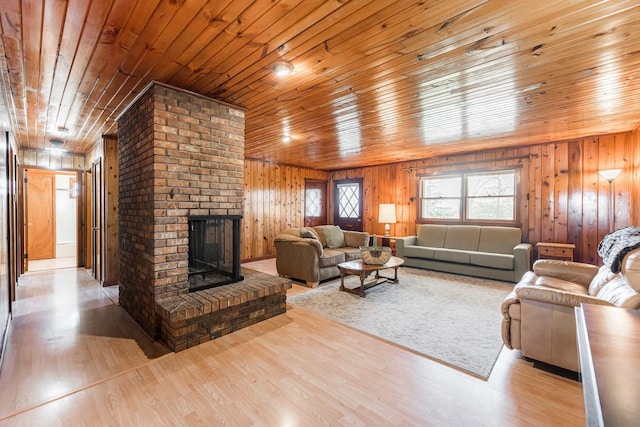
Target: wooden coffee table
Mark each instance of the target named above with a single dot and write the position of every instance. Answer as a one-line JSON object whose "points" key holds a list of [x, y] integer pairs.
{"points": [[362, 270]]}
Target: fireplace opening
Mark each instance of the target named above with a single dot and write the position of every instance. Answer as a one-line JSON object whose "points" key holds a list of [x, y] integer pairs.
{"points": [[214, 251]]}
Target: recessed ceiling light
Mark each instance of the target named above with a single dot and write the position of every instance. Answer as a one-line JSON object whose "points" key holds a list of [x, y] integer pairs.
{"points": [[282, 68]]}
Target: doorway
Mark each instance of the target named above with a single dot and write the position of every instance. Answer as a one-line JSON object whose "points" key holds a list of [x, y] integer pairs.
{"points": [[96, 220], [315, 203], [51, 208], [348, 204]]}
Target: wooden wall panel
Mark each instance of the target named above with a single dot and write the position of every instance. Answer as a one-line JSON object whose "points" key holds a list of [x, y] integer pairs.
{"points": [[274, 200], [563, 199], [5, 277], [45, 159], [635, 178], [110, 212]]}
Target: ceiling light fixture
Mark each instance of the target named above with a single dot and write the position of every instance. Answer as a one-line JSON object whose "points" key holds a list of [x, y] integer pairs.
{"points": [[282, 68], [56, 146], [285, 138]]}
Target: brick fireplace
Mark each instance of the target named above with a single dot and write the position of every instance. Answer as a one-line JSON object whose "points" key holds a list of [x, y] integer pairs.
{"points": [[181, 155]]}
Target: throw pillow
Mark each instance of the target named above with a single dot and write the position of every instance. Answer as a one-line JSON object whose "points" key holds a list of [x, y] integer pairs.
{"points": [[333, 236], [307, 234]]}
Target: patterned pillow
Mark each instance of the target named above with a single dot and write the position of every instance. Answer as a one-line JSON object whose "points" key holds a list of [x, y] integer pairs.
{"points": [[307, 233]]}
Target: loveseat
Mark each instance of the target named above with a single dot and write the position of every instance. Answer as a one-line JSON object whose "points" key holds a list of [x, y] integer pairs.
{"points": [[312, 254], [482, 251], [539, 314]]}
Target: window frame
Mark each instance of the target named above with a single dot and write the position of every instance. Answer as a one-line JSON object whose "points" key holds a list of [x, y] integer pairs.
{"points": [[464, 197]]}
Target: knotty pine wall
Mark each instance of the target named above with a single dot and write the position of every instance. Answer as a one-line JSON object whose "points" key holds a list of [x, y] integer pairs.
{"points": [[273, 201], [562, 199]]}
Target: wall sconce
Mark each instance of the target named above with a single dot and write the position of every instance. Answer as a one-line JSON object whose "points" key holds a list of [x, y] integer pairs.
{"points": [[282, 68], [387, 215], [610, 175]]}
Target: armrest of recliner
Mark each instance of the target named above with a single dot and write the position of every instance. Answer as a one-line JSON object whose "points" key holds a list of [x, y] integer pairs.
{"points": [[576, 272], [556, 296], [401, 242], [506, 320]]}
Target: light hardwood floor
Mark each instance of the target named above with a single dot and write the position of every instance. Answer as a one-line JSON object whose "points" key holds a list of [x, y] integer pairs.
{"points": [[73, 357]]}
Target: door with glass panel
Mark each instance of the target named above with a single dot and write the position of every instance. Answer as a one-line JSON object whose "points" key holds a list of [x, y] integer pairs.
{"points": [[315, 203], [347, 211]]}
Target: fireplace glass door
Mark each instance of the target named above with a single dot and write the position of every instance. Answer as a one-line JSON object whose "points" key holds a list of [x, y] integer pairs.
{"points": [[214, 251]]}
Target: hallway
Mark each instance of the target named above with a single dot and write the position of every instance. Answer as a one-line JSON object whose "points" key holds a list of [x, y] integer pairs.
{"points": [[74, 357], [66, 335]]}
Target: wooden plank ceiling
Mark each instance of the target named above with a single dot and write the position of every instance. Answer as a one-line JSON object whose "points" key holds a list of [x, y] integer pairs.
{"points": [[373, 81]]}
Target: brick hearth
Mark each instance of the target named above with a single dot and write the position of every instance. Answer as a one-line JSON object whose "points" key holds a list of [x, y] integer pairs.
{"points": [[181, 154], [197, 317]]}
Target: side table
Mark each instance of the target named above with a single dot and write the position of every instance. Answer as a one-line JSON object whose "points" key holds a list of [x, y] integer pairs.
{"points": [[550, 250]]}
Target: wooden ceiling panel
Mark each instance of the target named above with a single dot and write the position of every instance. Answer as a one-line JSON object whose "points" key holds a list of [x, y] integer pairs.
{"points": [[374, 81]]}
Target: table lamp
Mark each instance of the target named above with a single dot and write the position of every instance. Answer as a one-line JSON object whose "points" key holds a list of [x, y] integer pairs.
{"points": [[387, 215]]}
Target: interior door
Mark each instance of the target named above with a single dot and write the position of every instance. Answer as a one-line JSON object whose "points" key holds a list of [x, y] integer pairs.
{"points": [[315, 203], [96, 220], [347, 212], [39, 194], [88, 219]]}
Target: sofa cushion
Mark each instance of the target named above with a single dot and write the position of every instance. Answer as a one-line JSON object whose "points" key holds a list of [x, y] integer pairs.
{"points": [[499, 240], [451, 255], [355, 239], [500, 261], [571, 271], [556, 297], [630, 269], [331, 236], [431, 235], [331, 257], [350, 253], [464, 237], [560, 285], [414, 251], [619, 293], [600, 280]]}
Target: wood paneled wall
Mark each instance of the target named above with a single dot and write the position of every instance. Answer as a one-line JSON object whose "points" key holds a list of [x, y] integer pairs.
{"points": [[634, 177], [5, 267], [274, 200], [48, 160], [563, 199]]}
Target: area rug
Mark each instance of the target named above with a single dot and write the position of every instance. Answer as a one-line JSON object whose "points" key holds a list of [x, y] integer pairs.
{"points": [[452, 319]]}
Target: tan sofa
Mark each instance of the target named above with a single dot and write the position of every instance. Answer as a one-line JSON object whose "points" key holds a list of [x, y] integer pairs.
{"points": [[539, 317], [312, 254], [482, 251]]}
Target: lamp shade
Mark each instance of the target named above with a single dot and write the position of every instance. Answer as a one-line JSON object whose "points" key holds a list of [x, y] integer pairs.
{"points": [[387, 213], [610, 174]]}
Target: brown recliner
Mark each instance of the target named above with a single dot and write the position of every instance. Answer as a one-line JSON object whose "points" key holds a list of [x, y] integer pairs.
{"points": [[539, 317]]}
